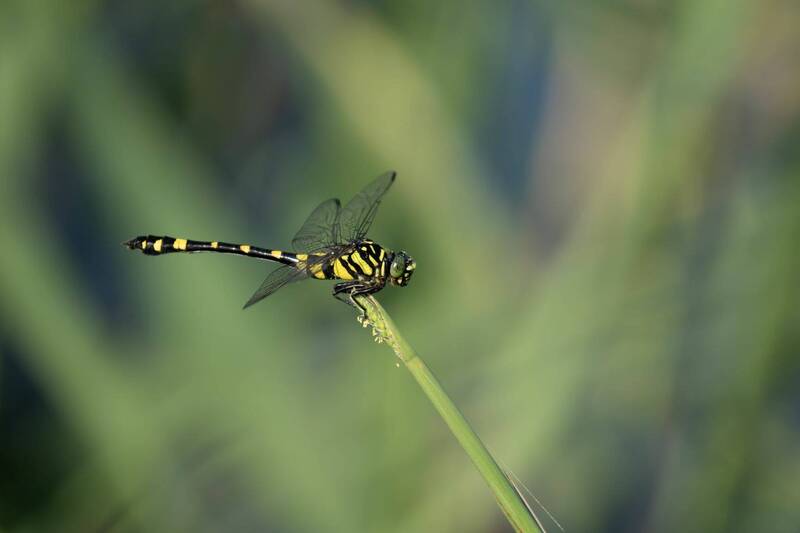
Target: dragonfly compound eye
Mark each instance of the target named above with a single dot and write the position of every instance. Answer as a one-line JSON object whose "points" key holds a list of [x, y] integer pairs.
{"points": [[402, 268], [398, 265]]}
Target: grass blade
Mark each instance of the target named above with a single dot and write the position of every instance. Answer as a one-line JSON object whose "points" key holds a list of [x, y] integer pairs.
{"points": [[508, 498]]}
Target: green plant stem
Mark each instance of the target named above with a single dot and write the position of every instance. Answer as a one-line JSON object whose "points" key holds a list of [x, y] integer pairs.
{"points": [[508, 497]]}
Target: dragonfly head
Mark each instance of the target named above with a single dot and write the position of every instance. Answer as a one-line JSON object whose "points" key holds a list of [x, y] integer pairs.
{"points": [[402, 267]]}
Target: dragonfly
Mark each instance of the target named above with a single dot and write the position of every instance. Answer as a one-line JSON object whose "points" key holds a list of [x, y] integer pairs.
{"points": [[331, 244]]}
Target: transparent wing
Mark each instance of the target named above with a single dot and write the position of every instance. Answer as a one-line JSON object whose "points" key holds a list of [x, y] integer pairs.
{"points": [[318, 230], [275, 280], [357, 216], [286, 274]]}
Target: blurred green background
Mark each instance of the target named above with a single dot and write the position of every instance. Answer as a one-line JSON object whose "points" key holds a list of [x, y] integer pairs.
{"points": [[602, 198]]}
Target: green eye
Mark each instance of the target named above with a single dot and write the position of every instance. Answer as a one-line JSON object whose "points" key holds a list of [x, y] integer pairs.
{"points": [[398, 266]]}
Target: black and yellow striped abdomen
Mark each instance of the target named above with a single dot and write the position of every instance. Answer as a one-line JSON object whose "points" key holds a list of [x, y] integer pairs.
{"points": [[362, 260], [164, 244]]}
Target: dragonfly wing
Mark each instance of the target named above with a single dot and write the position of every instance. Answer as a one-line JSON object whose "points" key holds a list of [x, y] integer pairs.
{"points": [[318, 230], [357, 216], [275, 280]]}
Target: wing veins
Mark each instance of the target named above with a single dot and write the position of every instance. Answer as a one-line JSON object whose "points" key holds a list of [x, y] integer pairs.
{"points": [[356, 217], [319, 229]]}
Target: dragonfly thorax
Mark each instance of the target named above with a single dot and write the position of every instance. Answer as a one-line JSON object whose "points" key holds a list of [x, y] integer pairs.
{"points": [[367, 260]]}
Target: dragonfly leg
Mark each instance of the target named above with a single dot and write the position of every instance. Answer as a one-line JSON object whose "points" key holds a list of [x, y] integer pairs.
{"points": [[346, 292]]}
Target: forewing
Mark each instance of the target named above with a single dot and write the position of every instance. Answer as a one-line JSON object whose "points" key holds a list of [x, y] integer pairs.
{"points": [[318, 231], [357, 216], [275, 280]]}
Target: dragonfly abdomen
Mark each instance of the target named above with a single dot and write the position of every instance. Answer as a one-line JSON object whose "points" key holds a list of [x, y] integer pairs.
{"points": [[164, 244]]}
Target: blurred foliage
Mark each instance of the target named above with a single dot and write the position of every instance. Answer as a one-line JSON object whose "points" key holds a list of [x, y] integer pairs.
{"points": [[602, 198]]}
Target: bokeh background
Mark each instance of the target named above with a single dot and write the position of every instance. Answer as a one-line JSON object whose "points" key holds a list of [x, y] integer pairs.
{"points": [[603, 199]]}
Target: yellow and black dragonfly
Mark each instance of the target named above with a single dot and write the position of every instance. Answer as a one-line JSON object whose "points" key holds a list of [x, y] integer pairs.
{"points": [[330, 245]]}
